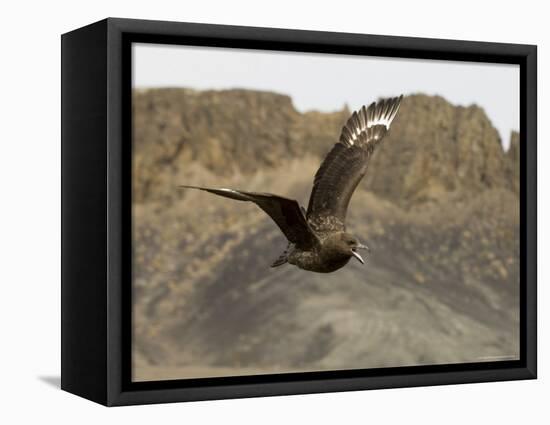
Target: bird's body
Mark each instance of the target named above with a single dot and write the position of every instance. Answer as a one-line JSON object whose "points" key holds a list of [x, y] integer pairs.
{"points": [[317, 237], [324, 258]]}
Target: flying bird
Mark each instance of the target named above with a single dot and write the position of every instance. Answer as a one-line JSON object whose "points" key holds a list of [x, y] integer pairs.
{"points": [[317, 237]]}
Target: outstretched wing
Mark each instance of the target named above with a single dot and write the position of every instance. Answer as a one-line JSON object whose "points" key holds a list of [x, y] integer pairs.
{"points": [[346, 164], [286, 213]]}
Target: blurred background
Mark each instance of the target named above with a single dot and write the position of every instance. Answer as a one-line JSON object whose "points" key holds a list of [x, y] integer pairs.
{"points": [[439, 208]]}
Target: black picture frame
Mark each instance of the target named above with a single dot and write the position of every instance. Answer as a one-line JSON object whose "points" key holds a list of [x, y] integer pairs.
{"points": [[96, 213]]}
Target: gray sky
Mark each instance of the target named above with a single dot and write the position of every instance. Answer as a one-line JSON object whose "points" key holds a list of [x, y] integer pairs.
{"points": [[327, 82]]}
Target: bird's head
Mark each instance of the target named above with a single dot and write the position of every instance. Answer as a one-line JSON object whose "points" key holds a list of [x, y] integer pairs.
{"points": [[349, 245]]}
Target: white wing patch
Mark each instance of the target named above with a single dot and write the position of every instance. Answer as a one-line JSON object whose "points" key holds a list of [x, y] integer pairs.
{"points": [[378, 113]]}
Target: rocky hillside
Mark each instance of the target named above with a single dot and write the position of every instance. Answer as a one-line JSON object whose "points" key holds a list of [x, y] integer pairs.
{"points": [[227, 132], [434, 147], [439, 208]]}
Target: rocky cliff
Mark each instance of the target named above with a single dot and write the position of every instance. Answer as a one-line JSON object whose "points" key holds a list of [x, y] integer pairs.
{"points": [[233, 131], [434, 147]]}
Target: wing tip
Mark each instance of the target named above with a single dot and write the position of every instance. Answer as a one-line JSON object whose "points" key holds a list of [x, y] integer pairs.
{"points": [[384, 111], [381, 112], [185, 186]]}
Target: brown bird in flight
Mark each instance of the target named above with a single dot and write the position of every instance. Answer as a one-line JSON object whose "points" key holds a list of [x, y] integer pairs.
{"points": [[317, 238]]}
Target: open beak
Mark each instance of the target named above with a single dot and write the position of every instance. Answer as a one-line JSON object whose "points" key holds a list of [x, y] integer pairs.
{"points": [[356, 255], [362, 246]]}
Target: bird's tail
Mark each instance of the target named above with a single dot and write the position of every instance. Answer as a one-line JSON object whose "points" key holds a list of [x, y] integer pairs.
{"points": [[283, 258], [280, 261]]}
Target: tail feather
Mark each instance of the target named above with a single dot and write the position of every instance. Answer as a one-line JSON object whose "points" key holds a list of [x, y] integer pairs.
{"points": [[280, 261], [283, 258]]}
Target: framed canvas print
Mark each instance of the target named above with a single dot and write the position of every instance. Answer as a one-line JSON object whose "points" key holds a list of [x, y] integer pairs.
{"points": [[252, 212]]}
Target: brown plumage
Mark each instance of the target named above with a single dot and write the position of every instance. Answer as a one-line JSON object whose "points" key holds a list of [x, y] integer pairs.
{"points": [[317, 237]]}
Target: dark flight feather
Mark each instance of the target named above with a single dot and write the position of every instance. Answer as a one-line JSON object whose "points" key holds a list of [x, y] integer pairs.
{"points": [[286, 213], [346, 164]]}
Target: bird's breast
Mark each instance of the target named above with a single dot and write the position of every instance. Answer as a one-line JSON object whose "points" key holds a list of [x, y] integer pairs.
{"points": [[317, 261]]}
